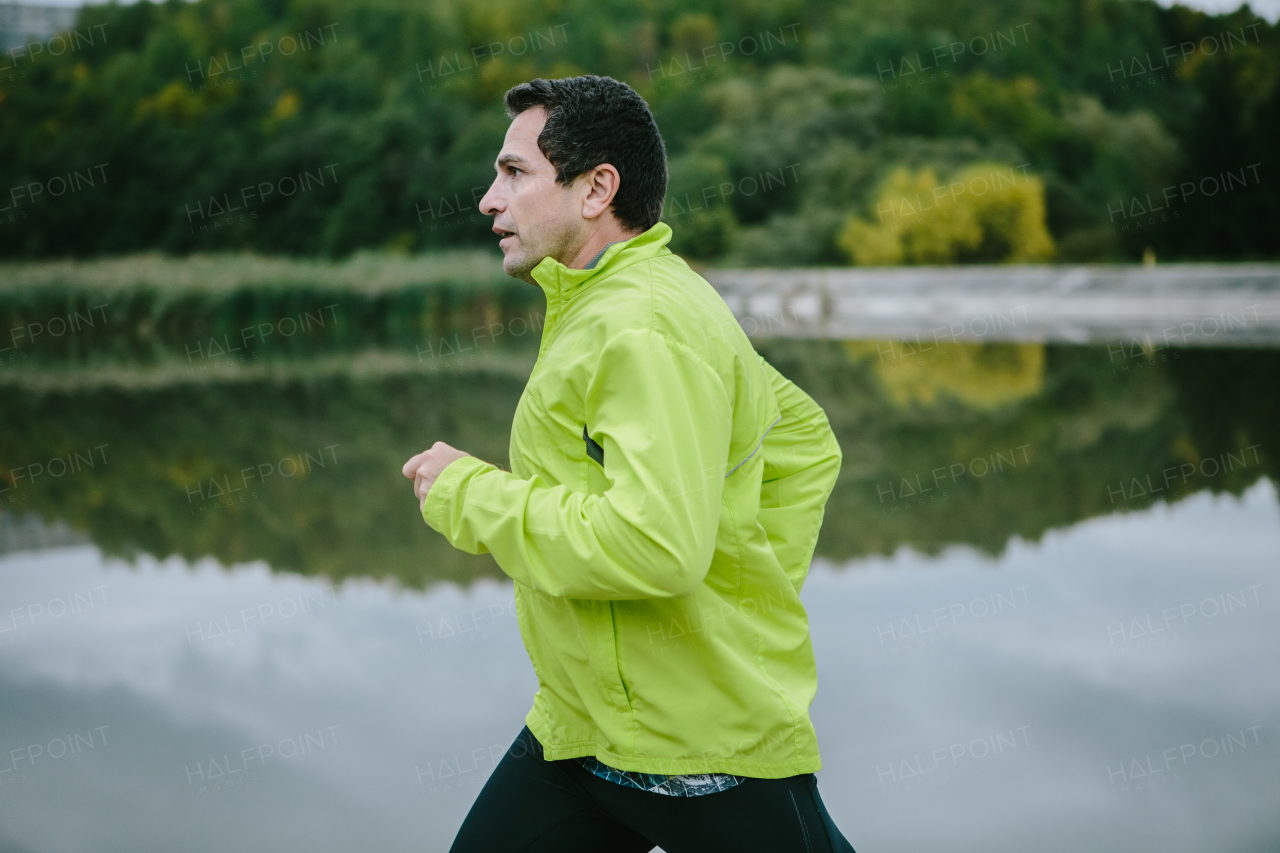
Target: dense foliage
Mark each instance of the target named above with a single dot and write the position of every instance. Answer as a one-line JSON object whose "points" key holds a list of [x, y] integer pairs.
{"points": [[318, 127]]}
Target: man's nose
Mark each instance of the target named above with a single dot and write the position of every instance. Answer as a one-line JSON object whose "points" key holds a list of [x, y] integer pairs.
{"points": [[491, 204]]}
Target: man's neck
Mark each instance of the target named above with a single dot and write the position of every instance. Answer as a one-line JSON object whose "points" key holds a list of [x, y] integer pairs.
{"points": [[597, 240]]}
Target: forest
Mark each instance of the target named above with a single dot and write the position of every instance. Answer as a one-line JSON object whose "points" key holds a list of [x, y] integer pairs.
{"points": [[799, 132]]}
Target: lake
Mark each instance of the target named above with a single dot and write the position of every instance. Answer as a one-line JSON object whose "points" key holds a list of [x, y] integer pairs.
{"points": [[1044, 600]]}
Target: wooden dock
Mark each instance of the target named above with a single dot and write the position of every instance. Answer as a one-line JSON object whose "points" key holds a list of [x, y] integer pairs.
{"points": [[1166, 305]]}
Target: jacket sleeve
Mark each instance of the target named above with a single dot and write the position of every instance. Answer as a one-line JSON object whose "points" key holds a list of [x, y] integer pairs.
{"points": [[664, 419], [801, 463]]}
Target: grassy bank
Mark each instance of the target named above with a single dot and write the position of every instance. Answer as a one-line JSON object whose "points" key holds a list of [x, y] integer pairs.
{"points": [[152, 311]]}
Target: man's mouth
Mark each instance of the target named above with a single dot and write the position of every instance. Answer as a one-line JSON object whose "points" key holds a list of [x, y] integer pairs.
{"points": [[502, 234]]}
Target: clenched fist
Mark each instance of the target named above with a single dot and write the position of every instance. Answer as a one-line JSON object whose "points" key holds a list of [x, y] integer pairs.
{"points": [[424, 468]]}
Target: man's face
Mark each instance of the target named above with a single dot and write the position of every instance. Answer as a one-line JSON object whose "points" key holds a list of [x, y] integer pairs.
{"points": [[535, 216]]}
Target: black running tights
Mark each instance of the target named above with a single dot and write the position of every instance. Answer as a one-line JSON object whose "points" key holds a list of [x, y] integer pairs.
{"points": [[531, 805]]}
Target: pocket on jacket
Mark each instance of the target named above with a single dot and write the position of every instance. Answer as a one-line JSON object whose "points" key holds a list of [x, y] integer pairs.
{"points": [[607, 664], [595, 451]]}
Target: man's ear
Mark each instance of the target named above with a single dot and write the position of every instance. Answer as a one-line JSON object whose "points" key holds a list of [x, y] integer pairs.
{"points": [[600, 185]]}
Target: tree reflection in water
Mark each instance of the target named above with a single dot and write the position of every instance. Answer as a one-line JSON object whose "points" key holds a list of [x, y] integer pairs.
{"points": [[962, 443]]}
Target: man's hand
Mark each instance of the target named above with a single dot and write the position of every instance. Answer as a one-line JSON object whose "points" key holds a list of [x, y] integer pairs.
{"points": [[424, 468]]}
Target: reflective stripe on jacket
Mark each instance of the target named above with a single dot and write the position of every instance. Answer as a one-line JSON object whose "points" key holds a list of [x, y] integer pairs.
{"points": [[665, 494]]}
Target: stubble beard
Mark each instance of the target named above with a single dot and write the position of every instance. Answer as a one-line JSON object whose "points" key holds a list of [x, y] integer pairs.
{"points": [[555, 243]]}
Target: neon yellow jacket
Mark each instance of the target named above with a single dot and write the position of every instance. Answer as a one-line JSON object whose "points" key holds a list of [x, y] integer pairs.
{"points": [[665, 494]]}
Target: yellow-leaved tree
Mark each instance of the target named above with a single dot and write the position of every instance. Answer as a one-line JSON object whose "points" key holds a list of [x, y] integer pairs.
{"points": [[986, 212]]}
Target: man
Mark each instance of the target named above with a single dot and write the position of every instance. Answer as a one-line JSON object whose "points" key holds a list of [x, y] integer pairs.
{"points": [[665, 494]]}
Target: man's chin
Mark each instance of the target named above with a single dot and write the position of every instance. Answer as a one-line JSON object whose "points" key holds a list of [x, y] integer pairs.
{"points": [[516, 264]]}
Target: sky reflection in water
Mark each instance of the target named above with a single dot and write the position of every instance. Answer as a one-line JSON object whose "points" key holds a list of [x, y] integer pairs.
{"points": [[1020, 693], [1044, 656]]}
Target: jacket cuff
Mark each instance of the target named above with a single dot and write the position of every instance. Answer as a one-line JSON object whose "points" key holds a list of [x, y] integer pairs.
{"points": [[444, 500]]}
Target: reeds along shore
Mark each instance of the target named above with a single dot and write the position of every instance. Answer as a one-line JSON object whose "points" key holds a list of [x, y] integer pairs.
{"points": [[210, 311]]}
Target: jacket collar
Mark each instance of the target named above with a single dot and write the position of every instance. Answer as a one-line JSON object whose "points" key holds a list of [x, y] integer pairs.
{"points": [[560, 282]]}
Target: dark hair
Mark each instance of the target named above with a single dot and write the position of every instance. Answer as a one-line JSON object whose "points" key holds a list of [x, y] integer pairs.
{"points": [[593, 120]]}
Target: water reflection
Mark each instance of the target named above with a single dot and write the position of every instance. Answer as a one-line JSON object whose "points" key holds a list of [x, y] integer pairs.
{"points": [[1048, 704], [1046, 573], [961, 444]]}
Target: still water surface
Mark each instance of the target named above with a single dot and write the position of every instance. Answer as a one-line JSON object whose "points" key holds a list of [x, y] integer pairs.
{"points": [[1044, 607]]}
